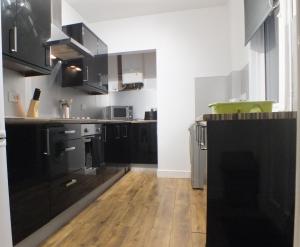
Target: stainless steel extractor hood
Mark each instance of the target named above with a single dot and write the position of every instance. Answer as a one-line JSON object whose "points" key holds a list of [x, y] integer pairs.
{"points": [[62, 46]]}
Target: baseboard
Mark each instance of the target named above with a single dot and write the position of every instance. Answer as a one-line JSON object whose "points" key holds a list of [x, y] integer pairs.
{"points": [[173, 174]]}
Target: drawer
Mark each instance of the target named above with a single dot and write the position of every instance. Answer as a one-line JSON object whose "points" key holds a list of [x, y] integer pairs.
{"points": [[66, 132], [66, 191], [66, 157]]}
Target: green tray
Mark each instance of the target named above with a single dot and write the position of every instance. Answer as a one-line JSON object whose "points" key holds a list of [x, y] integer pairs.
{"points": [[242, 107]]}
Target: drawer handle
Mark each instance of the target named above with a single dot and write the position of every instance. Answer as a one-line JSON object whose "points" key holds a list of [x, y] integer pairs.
{"points": [[69, 132], [72, 182], [70, 149]]}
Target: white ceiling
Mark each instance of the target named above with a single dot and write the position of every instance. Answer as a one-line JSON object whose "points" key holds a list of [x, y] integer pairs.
{"points": [[100, 10]]}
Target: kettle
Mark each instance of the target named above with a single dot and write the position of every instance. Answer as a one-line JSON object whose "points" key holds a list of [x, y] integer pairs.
{"points": [[65, 105]]}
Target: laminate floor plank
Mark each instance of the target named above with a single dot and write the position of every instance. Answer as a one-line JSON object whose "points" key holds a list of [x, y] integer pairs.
{"points": [[140, 210]]}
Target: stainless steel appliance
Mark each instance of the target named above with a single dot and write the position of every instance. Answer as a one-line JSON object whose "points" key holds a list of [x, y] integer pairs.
{"points": [[198, 154], [118, 112], [93, 136]]}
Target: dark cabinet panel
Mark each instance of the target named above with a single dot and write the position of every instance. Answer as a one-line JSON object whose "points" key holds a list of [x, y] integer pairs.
{"points": [[144, 143], [117, 146], [26, 26], [30, 210], [251, 183], [88, 74], [68, 190], [28, 183], [9, 13]]}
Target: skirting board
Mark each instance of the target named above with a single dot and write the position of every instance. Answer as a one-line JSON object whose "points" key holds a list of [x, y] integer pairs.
{"points": [[62, 219], [173, 174]]}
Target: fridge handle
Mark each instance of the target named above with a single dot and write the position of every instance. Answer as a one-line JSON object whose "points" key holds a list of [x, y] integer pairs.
{"points": [[203, 144]]}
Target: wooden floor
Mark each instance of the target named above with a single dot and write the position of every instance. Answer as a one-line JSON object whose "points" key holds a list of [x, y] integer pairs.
{"points": [[139, 210]]}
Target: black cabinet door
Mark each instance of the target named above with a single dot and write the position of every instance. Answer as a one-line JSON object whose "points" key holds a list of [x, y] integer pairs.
{"points": [[8, 12], [144, 143], [67, 190], [27, 177], [117, 145], [33, 30], [26, 26], [90, 74], [251, 183], [30, 210]]}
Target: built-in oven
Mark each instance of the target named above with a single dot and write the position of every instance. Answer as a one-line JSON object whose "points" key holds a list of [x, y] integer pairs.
{"points": [[93, 136], [118, 112]]}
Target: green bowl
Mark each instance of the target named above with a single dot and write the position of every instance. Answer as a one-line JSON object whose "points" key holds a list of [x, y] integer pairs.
{"points": [[242, 107]]}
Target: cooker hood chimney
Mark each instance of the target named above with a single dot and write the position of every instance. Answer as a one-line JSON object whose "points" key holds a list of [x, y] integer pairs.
{"points": [[62, 46]]}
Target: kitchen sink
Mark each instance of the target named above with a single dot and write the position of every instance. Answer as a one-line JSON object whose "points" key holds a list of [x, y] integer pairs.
{"points": [[241, 107]]}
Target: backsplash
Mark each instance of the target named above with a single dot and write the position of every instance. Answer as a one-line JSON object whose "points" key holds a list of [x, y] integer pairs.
{"points": [[83, 105]]}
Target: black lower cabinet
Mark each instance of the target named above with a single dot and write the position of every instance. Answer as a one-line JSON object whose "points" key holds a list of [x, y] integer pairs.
{"points": [[251, 183], [28, 183], [117, 145], [67, 190], [144, 143]]}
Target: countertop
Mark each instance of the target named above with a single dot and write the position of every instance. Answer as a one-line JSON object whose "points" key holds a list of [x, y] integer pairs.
{"points": [[20, 120], [249, 116]]}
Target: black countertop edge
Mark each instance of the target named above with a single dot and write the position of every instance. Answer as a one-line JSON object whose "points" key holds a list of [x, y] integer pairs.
{"points": [[16, 120], [250, 116]]}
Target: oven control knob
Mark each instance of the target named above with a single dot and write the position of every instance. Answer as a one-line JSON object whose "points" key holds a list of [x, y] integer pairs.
{"points": [[86, 130], [98, 130]]}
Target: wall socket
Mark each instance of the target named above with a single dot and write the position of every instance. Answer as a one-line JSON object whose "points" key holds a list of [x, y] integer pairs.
{"points": [[13, 97]]}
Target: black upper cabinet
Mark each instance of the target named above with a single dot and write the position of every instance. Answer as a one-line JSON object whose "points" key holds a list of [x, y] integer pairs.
{"points": [[26, 26], [88, 74]]}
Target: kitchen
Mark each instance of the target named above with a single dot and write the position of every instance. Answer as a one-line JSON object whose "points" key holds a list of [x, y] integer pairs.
{"points": [[169, 62]]}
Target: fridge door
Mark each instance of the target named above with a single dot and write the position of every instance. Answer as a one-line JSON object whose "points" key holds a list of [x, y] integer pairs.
{"points": [[5, 225]]}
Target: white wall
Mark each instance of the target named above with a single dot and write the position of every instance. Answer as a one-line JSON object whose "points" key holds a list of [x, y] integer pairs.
{"points": [[189, 44], [70, 15], [239, 53]]}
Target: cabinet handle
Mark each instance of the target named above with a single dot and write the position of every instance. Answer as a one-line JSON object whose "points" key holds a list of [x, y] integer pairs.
{"points": [[13, 39], [47, 151], [126, 131], [48, 60], [72, 182], [105, 133], [87, 73], [70, 149], [69, 132], [118, 136]]}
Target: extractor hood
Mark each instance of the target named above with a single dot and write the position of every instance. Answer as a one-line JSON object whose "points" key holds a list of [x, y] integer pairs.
{"points": [[62, 46]]}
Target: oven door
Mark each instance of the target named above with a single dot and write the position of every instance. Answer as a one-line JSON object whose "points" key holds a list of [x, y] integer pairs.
{"points": [[94, 151]]}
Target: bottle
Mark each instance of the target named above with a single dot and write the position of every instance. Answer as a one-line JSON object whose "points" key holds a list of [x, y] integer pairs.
{"points": [[33, 110]]}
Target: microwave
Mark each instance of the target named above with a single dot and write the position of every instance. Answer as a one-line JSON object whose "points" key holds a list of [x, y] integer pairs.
{"points": [[118, 112]]}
